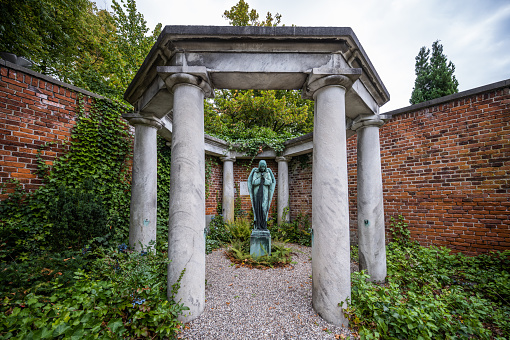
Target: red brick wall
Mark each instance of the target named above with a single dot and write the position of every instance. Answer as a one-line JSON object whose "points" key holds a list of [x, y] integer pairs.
{"points": [[214, 193], [300, 185], [445, 166], [446, 170], [34, 110]]}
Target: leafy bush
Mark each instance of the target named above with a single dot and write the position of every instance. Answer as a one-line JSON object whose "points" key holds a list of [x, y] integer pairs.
{"points": [[400, 230], [431, 293], [217, 235], [77, 216], [298, 231], [240, 229], [239, 253], [68, 210], [123, 296]]}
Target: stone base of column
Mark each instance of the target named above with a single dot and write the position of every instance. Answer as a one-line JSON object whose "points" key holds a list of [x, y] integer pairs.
{"points": [[260, 243]]}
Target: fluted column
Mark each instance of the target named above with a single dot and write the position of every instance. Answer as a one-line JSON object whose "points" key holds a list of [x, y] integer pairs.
{"points": [[331, 284], [186, 244], [283, 189], [228, 189], [143, 210], [371, 233]]}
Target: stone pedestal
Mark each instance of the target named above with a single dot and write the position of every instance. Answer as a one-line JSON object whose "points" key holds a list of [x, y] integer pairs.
{"points": [[260, 243]]}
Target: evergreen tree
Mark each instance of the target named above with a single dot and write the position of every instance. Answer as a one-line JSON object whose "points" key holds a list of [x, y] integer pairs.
{"points": [[434, 75]]}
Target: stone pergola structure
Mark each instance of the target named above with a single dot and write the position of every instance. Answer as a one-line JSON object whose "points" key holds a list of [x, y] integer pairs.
{"points": [[329, 65]]}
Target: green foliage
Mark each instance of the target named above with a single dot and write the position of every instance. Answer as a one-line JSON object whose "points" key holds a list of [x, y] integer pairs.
{"points": [[399, 229], [239, 253], [87, 191], [124, 296], [240, 229], [77, 216], [431, 293], [298, 231], [240, 15], [218, 235], [254, 119], [75, 42], [434, 76], [164, 165]]}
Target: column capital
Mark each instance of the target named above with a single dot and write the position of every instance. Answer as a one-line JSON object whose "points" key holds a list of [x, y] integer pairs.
{"points": [[192, 75], [368, 120], [320, 78], [136, 118], [279, 159], [228, 159]]}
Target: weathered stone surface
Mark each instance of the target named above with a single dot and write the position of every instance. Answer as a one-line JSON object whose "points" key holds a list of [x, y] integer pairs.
{"points": [[187, 200], [371, 233], [283, 189], [143, 210], [331, 282], [228, 189], [260, 243]]}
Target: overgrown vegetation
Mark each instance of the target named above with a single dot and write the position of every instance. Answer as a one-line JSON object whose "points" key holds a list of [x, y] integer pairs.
{"points": [[432, 293], [117, 294], [251, 120], [64, 274]]}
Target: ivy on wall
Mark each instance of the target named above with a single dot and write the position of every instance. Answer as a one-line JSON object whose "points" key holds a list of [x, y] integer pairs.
{"points": [[92, 179], [164, 164]]}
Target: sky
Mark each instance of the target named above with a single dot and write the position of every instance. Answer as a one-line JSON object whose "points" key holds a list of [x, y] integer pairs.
{"points": [[475, 34]]}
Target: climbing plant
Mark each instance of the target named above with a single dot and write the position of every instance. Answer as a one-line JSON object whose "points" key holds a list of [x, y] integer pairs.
{"points": [[164, 163], [88, 188]]}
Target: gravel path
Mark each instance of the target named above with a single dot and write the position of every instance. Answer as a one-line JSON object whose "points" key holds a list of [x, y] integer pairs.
{"points": [[243, 303]]}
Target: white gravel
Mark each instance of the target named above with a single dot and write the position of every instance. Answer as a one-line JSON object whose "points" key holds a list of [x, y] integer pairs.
{"points": [[243, 303]]}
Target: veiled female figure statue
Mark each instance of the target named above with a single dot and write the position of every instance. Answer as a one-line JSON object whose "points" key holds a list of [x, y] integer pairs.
{"points": [[261, 184]]}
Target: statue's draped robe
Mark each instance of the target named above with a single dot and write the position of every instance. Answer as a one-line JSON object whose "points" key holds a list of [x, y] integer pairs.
{"points": [[261, 186]]}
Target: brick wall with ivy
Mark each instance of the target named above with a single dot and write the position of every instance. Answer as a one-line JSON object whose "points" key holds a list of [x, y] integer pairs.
{"points": [[445, 163], [36, 116]]}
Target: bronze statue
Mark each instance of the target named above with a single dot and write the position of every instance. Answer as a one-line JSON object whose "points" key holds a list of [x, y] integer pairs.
{"points": [[261, 184]]}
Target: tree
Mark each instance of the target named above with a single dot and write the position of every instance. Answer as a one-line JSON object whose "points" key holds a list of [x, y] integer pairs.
{"points": [[256, 116], [75, 42], [434, 75]]}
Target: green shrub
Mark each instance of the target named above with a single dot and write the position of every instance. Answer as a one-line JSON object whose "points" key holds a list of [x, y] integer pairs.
{"points": [[298, 231], [239, 253], [123, 296], [77, 216], [433, 294], [240, 229]]}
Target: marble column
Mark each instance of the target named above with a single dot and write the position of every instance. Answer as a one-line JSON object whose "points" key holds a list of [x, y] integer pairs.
{"points": [[371, 232], [228, 189], [283, 189], [186, 244], [331, 276], [143, 212]]}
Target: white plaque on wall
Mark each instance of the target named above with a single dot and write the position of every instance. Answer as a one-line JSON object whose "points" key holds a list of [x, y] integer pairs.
{"points": [[243, 188]]}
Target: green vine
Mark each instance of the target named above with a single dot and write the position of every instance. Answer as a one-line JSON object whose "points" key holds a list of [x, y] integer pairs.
{"points": [[238, 211], [209, 164], [86, 187]]}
